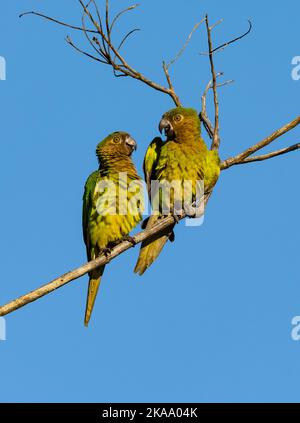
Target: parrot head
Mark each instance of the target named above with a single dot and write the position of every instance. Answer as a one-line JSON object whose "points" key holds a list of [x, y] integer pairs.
{"points": [[180, 122], [116, 144]]}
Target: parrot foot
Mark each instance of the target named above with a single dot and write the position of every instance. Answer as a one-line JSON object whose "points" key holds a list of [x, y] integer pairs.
{"points": [[130, 239], [105, 251], [176, 217], [145, 223], [194, 210], [172, 236]]}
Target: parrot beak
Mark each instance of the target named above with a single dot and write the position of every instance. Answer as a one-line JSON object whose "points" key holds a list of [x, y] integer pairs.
{"points": [[165, 125], [131, 143]]}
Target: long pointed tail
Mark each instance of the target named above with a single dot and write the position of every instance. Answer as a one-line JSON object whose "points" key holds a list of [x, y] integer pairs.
{"points": [[95, 279], [151, 248]]}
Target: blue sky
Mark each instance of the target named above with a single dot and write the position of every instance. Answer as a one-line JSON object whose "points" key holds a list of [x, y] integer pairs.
{"points": [[211, 320]]}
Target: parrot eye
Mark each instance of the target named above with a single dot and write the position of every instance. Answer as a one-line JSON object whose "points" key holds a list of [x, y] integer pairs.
{"points": [[117, 139], [178, 118]]}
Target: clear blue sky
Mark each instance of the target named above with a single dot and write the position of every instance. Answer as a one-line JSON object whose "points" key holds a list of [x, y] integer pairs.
{"points": [[211, 320]]}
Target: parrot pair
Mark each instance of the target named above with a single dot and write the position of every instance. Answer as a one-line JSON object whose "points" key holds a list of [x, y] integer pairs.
{"points": [[183, 156]]}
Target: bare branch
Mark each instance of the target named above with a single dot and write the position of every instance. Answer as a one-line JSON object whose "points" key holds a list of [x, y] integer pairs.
{"points": [[214, 130], [124, 39], [221, 47], [181, 51], [109, 54], [58, 22], [272, 154], [216, 135], [203, 116], [101, 51], [86, 268], [216, 24], [124, 68], [240, 158], [69, 41], [107, 24], [168, 78], [121, 13], [101, 27]]}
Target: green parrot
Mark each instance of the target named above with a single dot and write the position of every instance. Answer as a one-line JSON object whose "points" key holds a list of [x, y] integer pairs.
{"points": [[112, 204], [184, 156]]}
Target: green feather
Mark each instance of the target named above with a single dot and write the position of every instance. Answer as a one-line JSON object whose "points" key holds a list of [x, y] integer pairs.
{"points": [[184, 157], [102, 218]]}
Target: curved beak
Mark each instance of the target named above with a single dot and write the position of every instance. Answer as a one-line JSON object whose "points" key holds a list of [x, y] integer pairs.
{"points": [[165, 125], [131, 143]]}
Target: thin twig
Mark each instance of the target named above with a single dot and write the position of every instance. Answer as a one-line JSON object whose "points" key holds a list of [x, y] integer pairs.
{"points": [[78, 28], [216, 136], [85, 53], [126, 69], [168, 78], [181, 51], [101, 27], [99, 51], [124, 39], [122, 13], [240, 158], [107, 24], [234, 40], [268, 155], [203, 116], [107, 51]]}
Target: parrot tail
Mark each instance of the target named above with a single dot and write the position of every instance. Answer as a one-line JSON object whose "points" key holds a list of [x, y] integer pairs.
{"points": [[152, 247], [94, 283]]}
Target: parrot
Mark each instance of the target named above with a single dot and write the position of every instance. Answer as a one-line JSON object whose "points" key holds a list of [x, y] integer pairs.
{"points": [[184, 156], [106, 219]]}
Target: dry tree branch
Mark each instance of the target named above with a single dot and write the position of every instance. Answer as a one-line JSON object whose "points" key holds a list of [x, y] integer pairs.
{"points": [[167, 74], [122, 13], [57, 21], [181, 51], [272, 154], [216, 132], [103, 48], [166, 66], [203, 116], [124, 68], [223, 46], [240, 158], [147, 234], [86, 268], [109, 53], [119, 64], [69, 41], [100, 50]]}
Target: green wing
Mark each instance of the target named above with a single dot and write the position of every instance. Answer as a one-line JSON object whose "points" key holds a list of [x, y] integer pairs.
{"points": [[150, 161], [87, 207]]}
